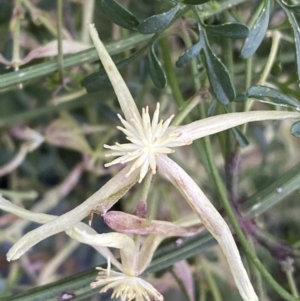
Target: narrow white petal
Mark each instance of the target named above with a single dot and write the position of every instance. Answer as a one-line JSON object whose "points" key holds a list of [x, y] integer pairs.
{"points": [[211, 219]]}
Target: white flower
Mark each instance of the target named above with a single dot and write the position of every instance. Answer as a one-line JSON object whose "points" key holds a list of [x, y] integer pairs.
{"points": [[126, 287], [148, 139]]}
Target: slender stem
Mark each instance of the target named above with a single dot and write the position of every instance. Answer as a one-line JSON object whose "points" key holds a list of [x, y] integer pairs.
{"points": [[170, 70], [87, 18], [15, 28], [256, 276], [59, 40], [211, 281], [276, 37], [292, 284], [146, 187]]}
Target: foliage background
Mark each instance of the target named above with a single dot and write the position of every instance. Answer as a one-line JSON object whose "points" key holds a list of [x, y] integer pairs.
{"points": [[264, 182]]}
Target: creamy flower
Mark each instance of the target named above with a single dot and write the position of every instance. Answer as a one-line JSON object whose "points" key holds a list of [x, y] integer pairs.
{"points": [[126, 287], [148, 139], [135, 255]]}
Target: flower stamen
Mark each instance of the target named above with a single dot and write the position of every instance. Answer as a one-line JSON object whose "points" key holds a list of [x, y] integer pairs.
{"points": [[148, 139]]}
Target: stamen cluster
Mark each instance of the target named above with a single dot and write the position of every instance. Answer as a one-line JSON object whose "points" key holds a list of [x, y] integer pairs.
{"points": [[147, 140]]}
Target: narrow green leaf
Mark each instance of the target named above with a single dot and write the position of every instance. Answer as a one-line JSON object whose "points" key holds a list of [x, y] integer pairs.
{"points": [[230, 30], [157, 22], [272, 96], [118, 14], [195, 2], [294, 23], [189, 55], [295, 130], [240, 138], [156, 70], [218, 76], [258, 32]]}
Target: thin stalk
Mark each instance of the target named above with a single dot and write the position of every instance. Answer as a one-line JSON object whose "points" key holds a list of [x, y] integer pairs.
{"points": [[145, 187], [211, 281], [15, 28], [292, 284], [256, 276], [87, 18], [170, 71], [276, 37], [59, 40]]}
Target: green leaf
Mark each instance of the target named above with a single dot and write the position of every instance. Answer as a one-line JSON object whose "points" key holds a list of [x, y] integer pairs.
{"points": [[295, 130], [258, 32], [294, 23], [195, 2], [240, 138], [189, 55], [230, 30], [118, 14], [157, 22], [272, 96], [156, 70], [218, 76]]}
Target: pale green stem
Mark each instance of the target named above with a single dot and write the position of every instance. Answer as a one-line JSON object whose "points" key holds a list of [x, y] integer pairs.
{"points": [[211, 281], [126, 101], [16, 60], [189, 106], [87, 18], [292, 284], [23, 195], [276, 37], [60, 61]]}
